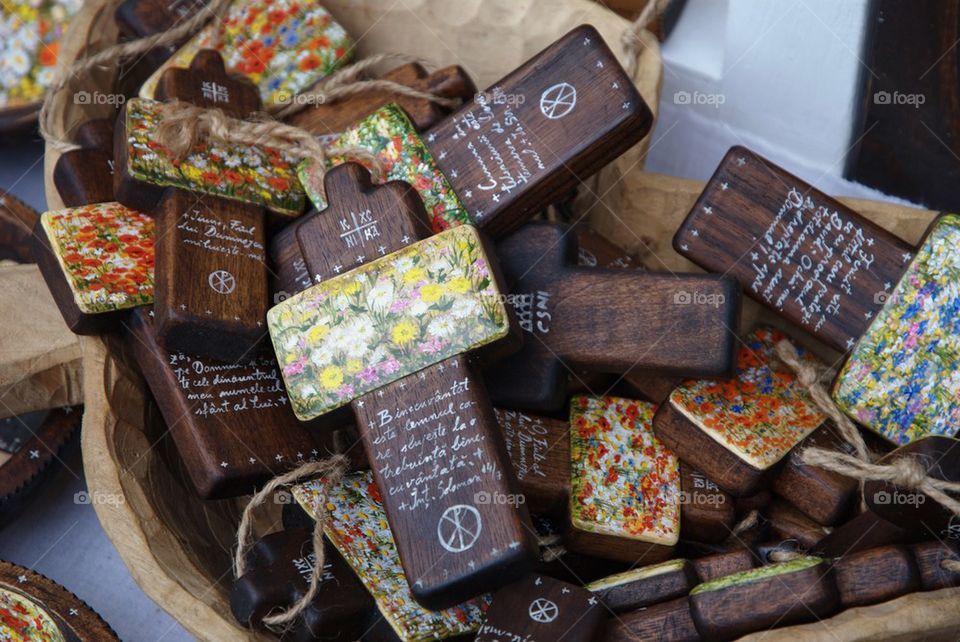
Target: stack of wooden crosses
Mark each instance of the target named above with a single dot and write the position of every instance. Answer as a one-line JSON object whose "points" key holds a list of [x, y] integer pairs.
{"points": [[546, 440]]}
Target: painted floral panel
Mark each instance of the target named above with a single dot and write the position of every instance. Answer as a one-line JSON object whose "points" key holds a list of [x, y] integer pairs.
{"points": [[23, 620], [30, 35], [902, 379], [624, 482], [757, 574], [392, 139], [282, 46], [387, 319], [257, 175], [761, 413], [358, 527], [106, 253]]}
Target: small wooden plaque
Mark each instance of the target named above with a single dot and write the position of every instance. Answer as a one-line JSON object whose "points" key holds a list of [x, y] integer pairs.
{"points": [[930, 557], [542, 609], [725, 428], [605, 320], [666, 621], [206, 83], [789, 523], [98, 261], [793, 248], [717, 565], [865, 531], [792, 592], [876, 575], [646, 585], [539, 449], [625, 486]]}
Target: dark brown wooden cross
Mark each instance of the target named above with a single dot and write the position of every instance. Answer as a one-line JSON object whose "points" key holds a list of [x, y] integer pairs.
{"points": [[605, 320], [85, 175], [406, 321]]}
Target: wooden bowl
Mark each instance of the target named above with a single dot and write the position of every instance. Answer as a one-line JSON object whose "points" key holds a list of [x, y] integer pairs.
{"points": [[177, 546]]}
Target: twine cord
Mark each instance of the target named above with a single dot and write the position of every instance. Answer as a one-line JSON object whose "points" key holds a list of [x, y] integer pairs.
{"points": [[348, 82], [631, 41], [331, 470], [117, 54], [950, 565], [749, 521]]}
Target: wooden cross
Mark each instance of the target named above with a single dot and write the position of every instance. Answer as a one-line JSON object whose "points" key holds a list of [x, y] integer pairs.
{"points": [[540, 609], [723, 428], [388, 333], [589, 469], [847, 281], [665, 621], [211, 271], [787, 523], [505, 155], [876, 575], [279, 567], [865, 531], [825, 496], [939, 457], [326, 119], [930, 557], [356, 526], [17, 220], [85, 175], [792, 592], [605, 320], [646, 585], [141, 18], [231, 422]]}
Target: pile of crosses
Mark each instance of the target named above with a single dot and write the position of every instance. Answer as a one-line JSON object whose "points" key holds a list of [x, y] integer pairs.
{"points": [[492, 491]]}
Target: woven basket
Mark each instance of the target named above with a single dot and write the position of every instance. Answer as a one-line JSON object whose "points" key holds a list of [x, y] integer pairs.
{"points": [[178, 547]]}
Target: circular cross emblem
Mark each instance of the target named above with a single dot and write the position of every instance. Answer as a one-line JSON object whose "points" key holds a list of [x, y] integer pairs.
{"points": [[558, 101], [459, 528], [543, 610], [222, 282]]}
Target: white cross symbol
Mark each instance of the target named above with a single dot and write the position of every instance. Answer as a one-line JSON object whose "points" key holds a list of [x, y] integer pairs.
{"points": [[615, 85], [337, 268], [468, 194], [564, 590], [442, 155], [151, 313], [724, 186], [695, 232], [314, 452], [886, 286], [453, 173], [496, 198], [586, 41], [538, 582], [684, 247], [707, 209], [252, 460], [21, 578], [402, 385], [74, 612], [907, 256], [214, 92], [599, 64], [379, 393], [382, 250], [626, 104], [543, 610], [405, 240], [472, 564], [183, 307], [34, 454], [360, 403], [850, 343], [222, 282], [208, 312], [514, 544], [592, 600], [299, 455], [360, 258], [278, 457], [223, 464], [741, 161], [431, 138]]}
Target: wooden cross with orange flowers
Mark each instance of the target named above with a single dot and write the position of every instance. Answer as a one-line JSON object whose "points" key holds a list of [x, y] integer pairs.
{"points": [[211, 292]]}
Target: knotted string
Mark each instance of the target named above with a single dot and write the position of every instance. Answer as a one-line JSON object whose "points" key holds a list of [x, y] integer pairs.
{"points": [[331, 471], [631, 41]]}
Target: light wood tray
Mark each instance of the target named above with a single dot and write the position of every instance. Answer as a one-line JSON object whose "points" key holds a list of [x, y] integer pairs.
{"points": [[177, 547]]}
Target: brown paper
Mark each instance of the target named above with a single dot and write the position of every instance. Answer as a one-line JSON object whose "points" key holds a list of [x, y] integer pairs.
{"points": [[40, 365]]}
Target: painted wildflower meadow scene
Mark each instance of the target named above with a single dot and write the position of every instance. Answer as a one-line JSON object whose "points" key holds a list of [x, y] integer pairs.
{"points": [[106, 252], [387, 319], [402, 155], [761, 413], [30, 34], [23, 619], [252, 174], [902, 379], [281, 46], [624, 482], [358, 527]]}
